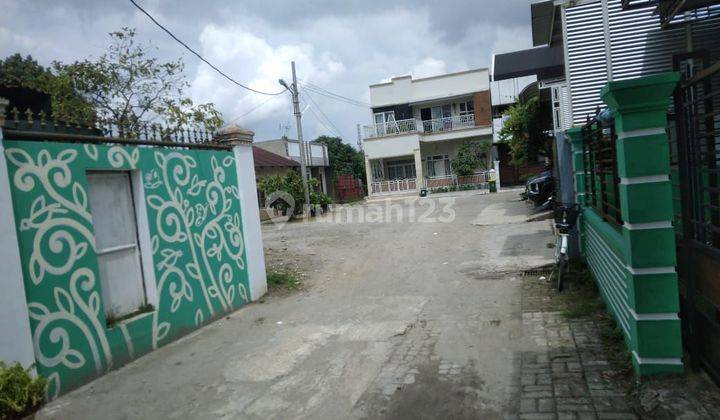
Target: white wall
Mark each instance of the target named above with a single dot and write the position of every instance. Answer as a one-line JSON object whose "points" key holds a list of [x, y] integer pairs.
{"points": [[15, 336], [404, 89], [250, 212], [391, 146], [504, 92]]}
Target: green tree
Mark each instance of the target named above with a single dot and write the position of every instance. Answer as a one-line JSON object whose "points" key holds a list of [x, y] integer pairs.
{"points": [[344, 159], [130, 86], [471, 156], [291, 183], [126, 85], [526, 131], [66, 102]]}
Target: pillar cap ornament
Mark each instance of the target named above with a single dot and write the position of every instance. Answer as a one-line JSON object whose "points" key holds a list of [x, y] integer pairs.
{"points": [[235, 135]]}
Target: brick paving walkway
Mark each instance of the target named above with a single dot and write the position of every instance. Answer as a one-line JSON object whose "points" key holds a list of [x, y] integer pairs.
{"points": [[572, 378]]}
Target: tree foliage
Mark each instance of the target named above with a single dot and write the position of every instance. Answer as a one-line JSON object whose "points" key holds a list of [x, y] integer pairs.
{"points": [[66, 102], [344, 159], [291, 183], [525, 130], [472, 155], [126, 84]]}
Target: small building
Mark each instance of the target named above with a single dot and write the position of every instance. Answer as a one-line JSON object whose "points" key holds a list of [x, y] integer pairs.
{"points": [[419, 125], [318, 162]]}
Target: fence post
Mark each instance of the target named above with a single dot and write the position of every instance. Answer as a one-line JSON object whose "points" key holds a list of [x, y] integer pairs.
{"points": [[640, 107], [241, 141], [578, 163], [16, 338]]}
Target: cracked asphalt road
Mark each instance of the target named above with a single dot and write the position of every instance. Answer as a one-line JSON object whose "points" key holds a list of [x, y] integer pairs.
{"points": [[398, 319]]}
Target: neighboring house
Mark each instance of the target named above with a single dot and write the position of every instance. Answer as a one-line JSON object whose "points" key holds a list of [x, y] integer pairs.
{"points": [[645, 174], [544, 67], [318, 162], [270, 164], [418, 126]]}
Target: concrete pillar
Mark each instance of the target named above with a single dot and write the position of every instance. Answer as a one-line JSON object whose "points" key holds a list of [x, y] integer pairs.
{"points": [[574, 134], [241, 141], [368, 176], [640, 107], [419, 169], [496, 167], [16, 337]]}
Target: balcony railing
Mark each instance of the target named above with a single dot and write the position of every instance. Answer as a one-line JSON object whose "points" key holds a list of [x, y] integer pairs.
{"points": [[413, 126], [448, 123], [390, 128]]}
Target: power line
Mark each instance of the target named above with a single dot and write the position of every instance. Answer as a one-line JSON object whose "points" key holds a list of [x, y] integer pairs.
{"points": [[337, 130], [253, 109], [324, 92], [200, 56], [320, 88]]}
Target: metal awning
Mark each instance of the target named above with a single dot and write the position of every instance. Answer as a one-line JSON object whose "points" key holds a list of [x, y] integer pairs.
{"points": [[545, 62]]}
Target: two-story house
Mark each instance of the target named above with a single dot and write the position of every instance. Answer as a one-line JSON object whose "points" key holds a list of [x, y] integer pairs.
{"points": [[419, 125]]}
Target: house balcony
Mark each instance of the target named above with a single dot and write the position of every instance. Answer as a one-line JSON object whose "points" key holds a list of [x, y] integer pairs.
{"points": [[425, 127], [447, 128]]}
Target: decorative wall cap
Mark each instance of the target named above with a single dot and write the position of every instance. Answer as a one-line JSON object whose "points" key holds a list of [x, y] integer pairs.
{"points": [[235, 134], [642, 92]]}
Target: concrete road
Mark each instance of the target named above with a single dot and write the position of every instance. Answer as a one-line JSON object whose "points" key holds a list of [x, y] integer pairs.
{"points": [[414, 317]]}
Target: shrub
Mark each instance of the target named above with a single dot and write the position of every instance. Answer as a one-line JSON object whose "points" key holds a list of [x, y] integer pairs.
{"points": [[20, 393]]}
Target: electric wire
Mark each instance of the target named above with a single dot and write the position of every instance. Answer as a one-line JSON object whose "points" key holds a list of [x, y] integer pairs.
{"points": [[187, 47]]}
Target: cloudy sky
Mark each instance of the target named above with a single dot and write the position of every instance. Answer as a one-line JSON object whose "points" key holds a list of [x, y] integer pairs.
{"points": [[340, 45]]}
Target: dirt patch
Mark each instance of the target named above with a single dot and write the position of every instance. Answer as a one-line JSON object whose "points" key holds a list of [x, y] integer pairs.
{"points": [[286, 271]]}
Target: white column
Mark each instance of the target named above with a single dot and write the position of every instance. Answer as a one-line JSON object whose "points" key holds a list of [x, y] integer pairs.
{"points": [[368, 176], [15, 337], [241, 140], [419, 169], [497, 174]]}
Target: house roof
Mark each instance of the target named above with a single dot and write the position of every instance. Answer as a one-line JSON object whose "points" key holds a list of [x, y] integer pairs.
{"points": [[545, 62], [263, 158]]}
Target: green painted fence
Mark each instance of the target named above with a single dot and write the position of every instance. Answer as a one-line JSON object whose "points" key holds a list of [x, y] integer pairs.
{"points": [[634, 266], [198, 257]]}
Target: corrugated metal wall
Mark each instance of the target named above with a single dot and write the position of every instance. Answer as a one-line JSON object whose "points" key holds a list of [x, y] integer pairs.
{"points": [[587, 64], [638, 47]]}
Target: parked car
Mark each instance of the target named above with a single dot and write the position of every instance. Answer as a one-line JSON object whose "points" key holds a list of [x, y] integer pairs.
{"points": [[540, 188]]}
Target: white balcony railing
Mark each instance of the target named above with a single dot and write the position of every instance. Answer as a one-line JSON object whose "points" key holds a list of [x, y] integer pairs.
{"points": [[413, 126], [391, 127], [449, 123]]}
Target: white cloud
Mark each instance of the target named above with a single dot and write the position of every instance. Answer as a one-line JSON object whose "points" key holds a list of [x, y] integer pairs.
{"points": [[428, 67], [257, 64], [341, 46]]}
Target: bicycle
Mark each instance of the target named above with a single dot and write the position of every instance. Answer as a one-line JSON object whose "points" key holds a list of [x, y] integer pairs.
{"points": [[565, 218]]}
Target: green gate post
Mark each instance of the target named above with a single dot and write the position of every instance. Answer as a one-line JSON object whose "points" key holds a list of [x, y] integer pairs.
{"points": [[576, 140], [643, 161], [574, 134]]}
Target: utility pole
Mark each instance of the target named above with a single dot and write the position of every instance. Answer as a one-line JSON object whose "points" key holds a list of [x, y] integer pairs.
{"points": [[296, 108]]}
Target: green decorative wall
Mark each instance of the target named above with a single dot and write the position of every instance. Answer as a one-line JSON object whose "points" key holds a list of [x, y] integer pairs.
{"points": [[198, 258]]}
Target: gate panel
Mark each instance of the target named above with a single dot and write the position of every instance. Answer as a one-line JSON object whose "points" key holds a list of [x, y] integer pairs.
{"points": [[696, 155]]}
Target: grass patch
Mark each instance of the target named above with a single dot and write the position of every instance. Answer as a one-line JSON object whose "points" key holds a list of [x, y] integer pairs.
{"points": [[583, 300], [282, 279], [582, 296]]}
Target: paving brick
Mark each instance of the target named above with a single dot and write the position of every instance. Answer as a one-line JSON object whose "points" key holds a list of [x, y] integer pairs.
{"points": [[538, 416], [528, 405], [546, 405]]}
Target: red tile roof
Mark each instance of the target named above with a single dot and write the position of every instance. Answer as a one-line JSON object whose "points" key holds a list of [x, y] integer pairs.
{"points": [[263, 158]]}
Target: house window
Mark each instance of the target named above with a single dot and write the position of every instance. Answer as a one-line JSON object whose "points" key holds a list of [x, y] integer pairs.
{"points": [[466, 108], [385, 123], [116, 243], [438, 166], [401, 169], [377, 171]]}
